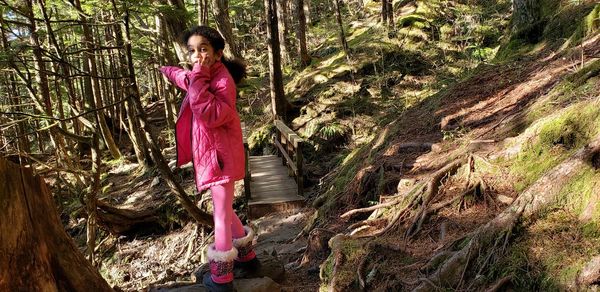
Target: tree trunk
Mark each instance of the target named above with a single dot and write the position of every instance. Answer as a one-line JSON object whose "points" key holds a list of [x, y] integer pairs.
{"points": [[525, 13], [282, 29], [159, 84], [93, 85], [342, 35], [306, 7], [278, 101], [301, 34], [221, 13], [390, 11], [134, 130], [384, 12], [38, 255], [203, 9]]}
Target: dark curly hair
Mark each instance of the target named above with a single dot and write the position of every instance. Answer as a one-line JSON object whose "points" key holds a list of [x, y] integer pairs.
{"points": [[236, 67]]}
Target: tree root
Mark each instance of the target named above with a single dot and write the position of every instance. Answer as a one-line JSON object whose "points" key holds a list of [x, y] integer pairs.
{"points": [[393, 202], [422, 193], [535, 198], [430, 193]]}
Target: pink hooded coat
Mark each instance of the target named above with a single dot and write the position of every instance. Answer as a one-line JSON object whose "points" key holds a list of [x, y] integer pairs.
{"points": [[208, 130]]}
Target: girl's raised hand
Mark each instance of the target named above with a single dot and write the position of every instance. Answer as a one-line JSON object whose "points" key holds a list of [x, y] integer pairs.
{"points": [[206, 60]]}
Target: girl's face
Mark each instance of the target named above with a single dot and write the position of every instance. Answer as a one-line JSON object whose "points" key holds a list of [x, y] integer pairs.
{"points": [[200, 50]]}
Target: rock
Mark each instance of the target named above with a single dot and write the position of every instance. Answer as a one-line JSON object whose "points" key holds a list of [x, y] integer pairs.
{"points": [[263, 284], [505, 199], [591, 272], [270, 266]]}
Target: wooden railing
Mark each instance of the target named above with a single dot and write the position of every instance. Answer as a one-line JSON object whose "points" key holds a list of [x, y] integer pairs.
{"points": [[289, 145]]}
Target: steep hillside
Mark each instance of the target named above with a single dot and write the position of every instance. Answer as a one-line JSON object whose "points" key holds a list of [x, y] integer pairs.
{"points": [[467, 151]]}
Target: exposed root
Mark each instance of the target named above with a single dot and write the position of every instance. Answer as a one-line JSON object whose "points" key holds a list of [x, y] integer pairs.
{"points": [[534, 199], [399, 199], [430, 193], [361, 266], [338, 261]]}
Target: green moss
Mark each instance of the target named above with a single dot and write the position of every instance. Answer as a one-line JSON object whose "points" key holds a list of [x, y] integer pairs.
{"points": [[577, 193], [557, 138], [550, 254]]}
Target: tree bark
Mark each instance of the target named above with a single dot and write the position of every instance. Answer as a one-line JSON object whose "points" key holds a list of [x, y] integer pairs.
{"points": [[390, 11], [384, 12], [160, 86], [525, 13], [282, 29], [306, 7], [342, 35], [203, 9], [37, 253], [301, 34], [278, 101], [221, 13]]}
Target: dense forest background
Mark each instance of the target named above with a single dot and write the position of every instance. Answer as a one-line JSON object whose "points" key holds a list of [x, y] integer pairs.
{"points": [[448, 144]]}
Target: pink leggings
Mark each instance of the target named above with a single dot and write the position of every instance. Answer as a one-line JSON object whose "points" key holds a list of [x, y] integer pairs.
{"points": [[227, 223]]}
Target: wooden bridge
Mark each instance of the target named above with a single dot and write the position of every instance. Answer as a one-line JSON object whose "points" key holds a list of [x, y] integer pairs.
{"points": [[274, 183]]}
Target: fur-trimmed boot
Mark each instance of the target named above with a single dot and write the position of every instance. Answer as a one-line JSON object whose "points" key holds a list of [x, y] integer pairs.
{"points": [[246, 259], [220, 278]]}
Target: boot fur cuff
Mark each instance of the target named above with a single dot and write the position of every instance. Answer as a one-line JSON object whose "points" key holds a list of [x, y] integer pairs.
{"points": [[221, 256], [246, 240]]}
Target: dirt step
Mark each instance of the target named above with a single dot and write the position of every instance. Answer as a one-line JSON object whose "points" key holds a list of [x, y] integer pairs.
{"points": [[264, 284]]}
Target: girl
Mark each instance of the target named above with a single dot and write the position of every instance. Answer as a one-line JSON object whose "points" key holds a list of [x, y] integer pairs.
{"points": [[208, 133]]}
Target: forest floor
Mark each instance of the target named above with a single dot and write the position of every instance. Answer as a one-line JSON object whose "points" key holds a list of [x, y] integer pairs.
{"points": [[378, 127]]}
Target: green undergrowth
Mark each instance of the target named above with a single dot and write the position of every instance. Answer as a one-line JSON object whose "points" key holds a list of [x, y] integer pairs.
{"points": [[349, 102], [562, 23]]}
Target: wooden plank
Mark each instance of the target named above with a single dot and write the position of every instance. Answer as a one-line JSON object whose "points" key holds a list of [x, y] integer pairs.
{"points": [[259, 210], [270, 171], [273, 197], [264, 157], [274, 187], [287, 157], [288, 133], [258, 162], [285, 180]]}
